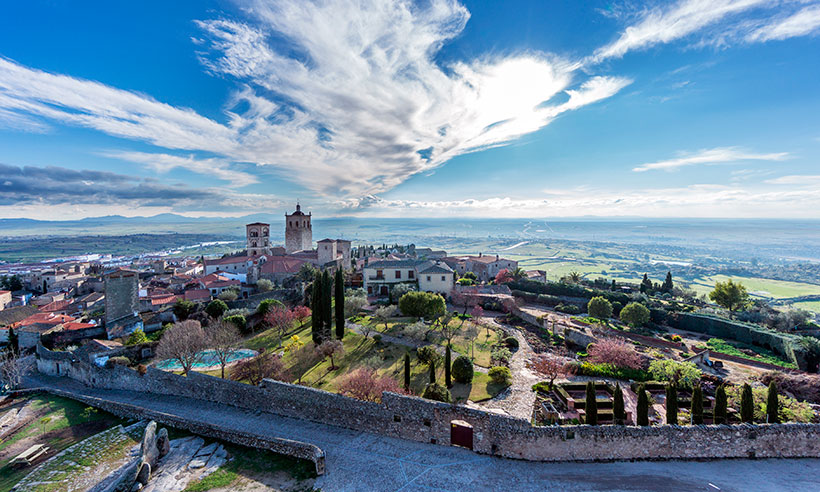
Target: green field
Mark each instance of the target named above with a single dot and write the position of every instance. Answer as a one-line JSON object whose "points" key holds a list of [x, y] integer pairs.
{"points": [[759, 287]]}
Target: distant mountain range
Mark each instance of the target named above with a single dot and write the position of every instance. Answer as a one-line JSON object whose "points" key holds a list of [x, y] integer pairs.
{"points": [[120, 219]]}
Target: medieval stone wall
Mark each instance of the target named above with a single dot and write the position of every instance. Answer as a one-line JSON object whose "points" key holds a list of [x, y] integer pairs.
{"points": [[417, 419]]}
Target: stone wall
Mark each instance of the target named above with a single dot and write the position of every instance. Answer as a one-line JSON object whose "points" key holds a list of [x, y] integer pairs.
{"points": [[417, 419]]}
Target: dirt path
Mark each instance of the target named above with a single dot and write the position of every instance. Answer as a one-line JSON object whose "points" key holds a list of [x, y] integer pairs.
{"points": [[518, 399]]}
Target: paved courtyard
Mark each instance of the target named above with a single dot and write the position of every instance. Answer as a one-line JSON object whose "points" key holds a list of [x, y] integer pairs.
{"points": [[359, 461]]}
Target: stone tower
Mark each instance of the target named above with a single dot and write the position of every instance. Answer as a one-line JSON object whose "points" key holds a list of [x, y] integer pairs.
{"points": [[298, 231], [258, 236]]}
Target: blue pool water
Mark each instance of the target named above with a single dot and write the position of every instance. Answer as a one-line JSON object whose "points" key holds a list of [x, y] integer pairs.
{"points": [[208, 358]]}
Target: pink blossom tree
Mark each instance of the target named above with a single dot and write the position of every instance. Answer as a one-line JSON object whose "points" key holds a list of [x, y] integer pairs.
{"points": [[614, 351]]}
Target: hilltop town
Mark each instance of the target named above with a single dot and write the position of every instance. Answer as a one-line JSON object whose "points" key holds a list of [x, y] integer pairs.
{"points": [[403, 341]]}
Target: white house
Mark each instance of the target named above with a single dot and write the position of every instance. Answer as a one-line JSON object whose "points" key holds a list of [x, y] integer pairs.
{"points": [[381, 276]]}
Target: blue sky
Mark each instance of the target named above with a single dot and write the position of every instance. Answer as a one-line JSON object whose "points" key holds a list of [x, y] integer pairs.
{"points": [[699, 108]]}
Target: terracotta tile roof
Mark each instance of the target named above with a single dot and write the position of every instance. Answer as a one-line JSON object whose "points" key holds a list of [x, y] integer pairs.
{"points": [[76, 325], [229, 260], [197, 294], [44, 318], [56, 306], [282, 264]]}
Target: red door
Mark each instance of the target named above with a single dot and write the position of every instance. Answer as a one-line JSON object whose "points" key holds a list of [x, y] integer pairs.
{"points": [[461, 434]]}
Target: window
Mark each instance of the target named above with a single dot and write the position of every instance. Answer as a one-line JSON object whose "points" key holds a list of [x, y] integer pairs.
{"points": [[379, 274], [411, 274], [398, 273], [428, 278], [442, 278]]}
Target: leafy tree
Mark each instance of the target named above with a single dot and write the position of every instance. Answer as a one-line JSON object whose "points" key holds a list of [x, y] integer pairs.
{"points": [[307, 273], [447, 361], [136, 338], [339, 295], [720, 405], [646, 284], [184, 343], [216, 308], [406, 372], [635, 314], [772, 406], [518, 273], [354, 304], [182, 309], [14, 341], [437, 392], [681, 374], [470, 275], [503, 276], [500, 375], [266, 305], [697, 405], [591, 408], [642, 410], [384, 313], [399, 290], [747, 409], [671, 404], [264, 285], [427, 354], [422, 305], [463, 369], [618, 410], [229, 295], [668, 286], [599, 307], [730, 296], [11, 283]]}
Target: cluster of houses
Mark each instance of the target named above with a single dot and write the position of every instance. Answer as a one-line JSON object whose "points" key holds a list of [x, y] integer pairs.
{"points": [[78, 300]]}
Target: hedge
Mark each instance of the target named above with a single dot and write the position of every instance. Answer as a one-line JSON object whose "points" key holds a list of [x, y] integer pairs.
{"points": [[609, 371], [567, 290]]}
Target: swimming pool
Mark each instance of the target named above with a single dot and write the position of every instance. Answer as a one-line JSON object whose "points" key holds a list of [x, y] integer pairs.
{"points": [[207, 358]]}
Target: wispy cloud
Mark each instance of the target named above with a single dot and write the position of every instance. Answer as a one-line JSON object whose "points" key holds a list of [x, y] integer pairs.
{"points": [[717, 155], [797, 180], [162, 163], [717, 22]]}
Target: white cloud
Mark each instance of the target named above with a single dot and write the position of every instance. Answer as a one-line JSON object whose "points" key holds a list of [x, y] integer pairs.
{"points": [[711, 156], [796, 180], [802, 23], [162, 163]]}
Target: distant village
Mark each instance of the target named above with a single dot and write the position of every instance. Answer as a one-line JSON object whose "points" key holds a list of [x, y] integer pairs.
{"points": [[71, 301]]}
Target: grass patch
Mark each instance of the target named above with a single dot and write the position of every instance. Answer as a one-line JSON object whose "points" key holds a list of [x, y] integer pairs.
{"points": [[248, 462], [762, 355]]}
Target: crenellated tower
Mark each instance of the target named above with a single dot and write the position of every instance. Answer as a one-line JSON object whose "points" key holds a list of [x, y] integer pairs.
{"points": [[298, 231]]}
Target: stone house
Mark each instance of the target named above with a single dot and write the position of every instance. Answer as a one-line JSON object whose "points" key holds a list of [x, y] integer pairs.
{"points": [[5, 299], [486, 267], [380, 277]]}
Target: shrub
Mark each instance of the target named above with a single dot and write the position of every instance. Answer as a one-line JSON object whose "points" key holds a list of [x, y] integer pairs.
{"points": [[500, 375], [229, 295], [614, 351], [265, 306], [511, 343], [501, 354], [683, 374], [463, 369], [608, 371], [183, 309], [216, 308], [422, 304], [118, 361], [136, 338], [142, 369], [264, 285], [599, 307], [238, 321], [635, 314], [568, 309], [437, 392]]}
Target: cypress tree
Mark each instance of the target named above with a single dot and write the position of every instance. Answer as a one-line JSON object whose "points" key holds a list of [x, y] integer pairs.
{"points": [[340, 304], [316, 323], [447, 362], [643, 407], [747, 406], [667, 284], [772, 405], [618, 411], [614, 286], [671, 404], [646, 284], [697, 405], [720, 405], [432, 372], [591, 407], [14, 342], [327, 304], [406, 372]]}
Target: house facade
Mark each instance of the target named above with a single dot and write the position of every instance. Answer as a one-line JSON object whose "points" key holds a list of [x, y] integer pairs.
{"points": [[380, 277]]}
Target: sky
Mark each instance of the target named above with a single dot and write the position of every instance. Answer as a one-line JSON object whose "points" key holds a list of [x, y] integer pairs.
{"points": [[376, 108]]}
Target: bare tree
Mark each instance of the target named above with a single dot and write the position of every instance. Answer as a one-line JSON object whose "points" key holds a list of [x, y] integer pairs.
{"points": [[330, 348], [365, 384], [550, 366], [11, 369], [222, 337], [183, 342], [254, 370], [280, 319], [447, 328]]}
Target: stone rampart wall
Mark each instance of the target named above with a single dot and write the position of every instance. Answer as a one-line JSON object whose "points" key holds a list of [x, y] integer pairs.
{"points": [[422, 420]]}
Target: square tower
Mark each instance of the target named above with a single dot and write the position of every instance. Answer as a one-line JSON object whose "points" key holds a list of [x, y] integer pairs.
{"points": [[298, 231], [258, 237]]}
